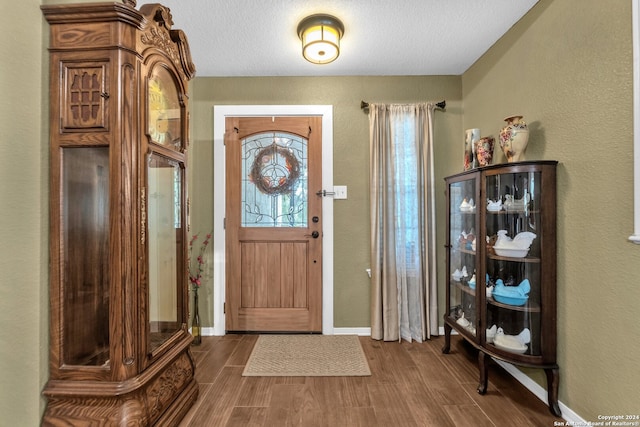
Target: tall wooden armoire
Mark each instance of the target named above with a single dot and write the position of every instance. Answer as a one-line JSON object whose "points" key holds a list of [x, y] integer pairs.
{"points": [[119, 344]]}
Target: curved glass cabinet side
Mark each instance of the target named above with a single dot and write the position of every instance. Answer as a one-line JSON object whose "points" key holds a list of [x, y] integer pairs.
{"points": [[513, 263], [462, 255]]}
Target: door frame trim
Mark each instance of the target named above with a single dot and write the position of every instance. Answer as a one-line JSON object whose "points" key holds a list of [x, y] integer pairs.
{"points": [[220, 113]]}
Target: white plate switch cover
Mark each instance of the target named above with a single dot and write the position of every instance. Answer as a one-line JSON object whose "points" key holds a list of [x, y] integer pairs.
{"points": [[340, 191]]}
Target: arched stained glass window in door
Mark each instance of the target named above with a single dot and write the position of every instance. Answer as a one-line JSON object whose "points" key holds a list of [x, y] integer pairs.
{"points": [[274, 180]]}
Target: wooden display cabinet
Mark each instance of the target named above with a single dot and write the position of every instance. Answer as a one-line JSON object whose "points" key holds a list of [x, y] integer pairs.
{"points": [[501, 301], [119, 344]]}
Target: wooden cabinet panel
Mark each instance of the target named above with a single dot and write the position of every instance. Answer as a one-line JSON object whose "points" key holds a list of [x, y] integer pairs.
{"points": [[83, 102]]}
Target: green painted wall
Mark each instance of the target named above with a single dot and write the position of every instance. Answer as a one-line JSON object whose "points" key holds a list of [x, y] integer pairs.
{"points": [[24, 212], [567, 67], [350, 154]]}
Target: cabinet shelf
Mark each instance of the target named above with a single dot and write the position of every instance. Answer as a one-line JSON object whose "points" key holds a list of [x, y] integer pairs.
{"points": [[512, 259], [467, 251], [524, 359], [537, 181], [528, 212], [464, 288], [528, 307]]}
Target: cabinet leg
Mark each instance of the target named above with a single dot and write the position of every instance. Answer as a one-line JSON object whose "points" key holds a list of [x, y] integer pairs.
{"points": [[483, 366], [447, 339], [553, 380]]}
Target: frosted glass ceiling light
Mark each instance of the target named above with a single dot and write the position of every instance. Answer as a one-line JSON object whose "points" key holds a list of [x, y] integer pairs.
{"points": [[320, 35]]}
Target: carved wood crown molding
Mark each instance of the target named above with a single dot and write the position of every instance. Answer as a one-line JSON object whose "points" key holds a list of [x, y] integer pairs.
{"points": [[173, 42], [158, 38]]}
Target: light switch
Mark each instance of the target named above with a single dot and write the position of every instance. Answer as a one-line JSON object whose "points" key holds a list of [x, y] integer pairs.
{"points": [[340, 191]]}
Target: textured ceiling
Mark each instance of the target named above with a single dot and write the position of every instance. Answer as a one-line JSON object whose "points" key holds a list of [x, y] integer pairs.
{"points": [[382, 37]]}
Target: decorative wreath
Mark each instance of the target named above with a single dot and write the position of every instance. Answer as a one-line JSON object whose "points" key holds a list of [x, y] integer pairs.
{"points": [[269, 175]]}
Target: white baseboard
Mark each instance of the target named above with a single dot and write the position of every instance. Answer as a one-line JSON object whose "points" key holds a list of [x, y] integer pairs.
{"points": [[540, 392], [209, 332], [365, 332], [441, 331]]}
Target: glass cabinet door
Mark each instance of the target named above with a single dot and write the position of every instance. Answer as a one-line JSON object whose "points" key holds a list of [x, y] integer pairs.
{"points": [[85, 258], [165, 178], [463, 226], [513, 263]]}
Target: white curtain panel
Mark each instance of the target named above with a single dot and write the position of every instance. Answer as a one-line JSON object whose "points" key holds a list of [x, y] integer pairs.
{"points": [[403, 267]]}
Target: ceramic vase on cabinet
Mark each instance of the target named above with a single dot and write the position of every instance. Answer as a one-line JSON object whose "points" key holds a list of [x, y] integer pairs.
{"points": [[470, 137], [514, 138], [484, 150]]}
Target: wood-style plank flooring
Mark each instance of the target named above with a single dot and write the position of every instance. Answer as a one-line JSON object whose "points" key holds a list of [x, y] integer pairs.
{"points": [[411, 384]]}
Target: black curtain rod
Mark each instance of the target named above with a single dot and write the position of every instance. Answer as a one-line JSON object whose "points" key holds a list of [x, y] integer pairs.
{"points": [[442, 105]]}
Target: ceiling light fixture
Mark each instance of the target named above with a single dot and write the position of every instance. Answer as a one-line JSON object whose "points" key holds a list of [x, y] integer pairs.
{"points": [[320, 35]]}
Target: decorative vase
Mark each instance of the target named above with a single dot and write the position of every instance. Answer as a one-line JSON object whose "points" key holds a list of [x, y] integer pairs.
{"points": [[514, 138], [195, 323], [484, 150], [470, 137]]}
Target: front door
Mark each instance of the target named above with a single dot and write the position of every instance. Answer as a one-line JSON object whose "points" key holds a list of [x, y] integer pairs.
{"points": [[273, 224]]}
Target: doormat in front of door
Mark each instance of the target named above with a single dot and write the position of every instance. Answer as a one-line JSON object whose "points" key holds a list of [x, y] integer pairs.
{"points": [[307, 356]]}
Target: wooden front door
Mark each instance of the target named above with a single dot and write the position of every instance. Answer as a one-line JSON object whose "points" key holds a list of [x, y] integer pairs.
{"points": [[273, 224]]}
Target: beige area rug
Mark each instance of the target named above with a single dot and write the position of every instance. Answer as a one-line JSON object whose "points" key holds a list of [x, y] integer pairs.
{"points": [[307, 356]]}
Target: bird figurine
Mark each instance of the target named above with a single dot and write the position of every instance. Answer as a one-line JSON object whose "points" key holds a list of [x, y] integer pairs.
{"points": [[491, 333], [494, 206], [467, 206], [512, 295], [517, 247], [513, 341], [521, 241], [489, 291], [513, 204], [463, 322], [521, 290]]}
